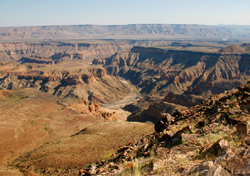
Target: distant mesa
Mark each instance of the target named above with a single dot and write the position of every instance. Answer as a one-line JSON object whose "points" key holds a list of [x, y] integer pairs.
{"points": [[133, 31]]}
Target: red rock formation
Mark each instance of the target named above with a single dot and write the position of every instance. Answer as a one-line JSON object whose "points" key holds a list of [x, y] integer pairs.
{"points": [[69, 82], [88, 78], [99, 61], [58, 51], [109, 116], [80, 107], [92, 108]]}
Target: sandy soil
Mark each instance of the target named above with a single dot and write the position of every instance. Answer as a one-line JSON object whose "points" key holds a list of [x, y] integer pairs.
{"points": [[38, 133]]}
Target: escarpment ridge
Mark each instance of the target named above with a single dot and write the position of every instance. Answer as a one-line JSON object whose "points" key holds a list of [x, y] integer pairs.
{"points": [[69, 82], [83, 52], [196, 76], [131, 31], [161, 71]]}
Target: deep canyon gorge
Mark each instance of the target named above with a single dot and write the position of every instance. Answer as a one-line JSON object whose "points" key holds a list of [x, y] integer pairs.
{"points": [[92, 100]]}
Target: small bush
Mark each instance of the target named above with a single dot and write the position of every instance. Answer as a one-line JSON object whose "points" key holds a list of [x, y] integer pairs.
{"points": [[136, 168], [107, 154]]}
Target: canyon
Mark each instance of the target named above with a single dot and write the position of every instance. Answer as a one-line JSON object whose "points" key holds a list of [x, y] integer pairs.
{"points": [[69, 82], [74, 98], [211, 138], [177, 77]]}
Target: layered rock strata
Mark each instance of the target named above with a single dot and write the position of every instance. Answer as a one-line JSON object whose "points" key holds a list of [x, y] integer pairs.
{"points": [[177, 77], [70, 82]]}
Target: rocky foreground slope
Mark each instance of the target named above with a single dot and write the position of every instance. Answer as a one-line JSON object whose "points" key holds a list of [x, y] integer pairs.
{"points": [[69, 82], [211, 138]]}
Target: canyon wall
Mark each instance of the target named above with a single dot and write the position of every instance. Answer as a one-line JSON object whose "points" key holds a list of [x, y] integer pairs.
{"points": [[175, 79], [60, 51], [69, 82], [159, 71]]}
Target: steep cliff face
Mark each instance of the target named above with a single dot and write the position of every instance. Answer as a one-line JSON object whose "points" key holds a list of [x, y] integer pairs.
{"points": [[38, 60], [70, 82], [176, 78], [159, 71]]}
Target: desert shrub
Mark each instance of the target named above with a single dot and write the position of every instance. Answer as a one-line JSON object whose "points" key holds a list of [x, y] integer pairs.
{"points": [[108, 154]]}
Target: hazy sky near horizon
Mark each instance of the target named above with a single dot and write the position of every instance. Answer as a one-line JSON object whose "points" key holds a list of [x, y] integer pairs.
{"points": [[112, 12]]}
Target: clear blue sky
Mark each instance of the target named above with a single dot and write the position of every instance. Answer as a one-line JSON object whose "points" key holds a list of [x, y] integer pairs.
{"points": [[106, 12]]}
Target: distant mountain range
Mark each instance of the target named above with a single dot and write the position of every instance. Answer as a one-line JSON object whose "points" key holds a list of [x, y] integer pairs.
{"points": [[131, 31]]}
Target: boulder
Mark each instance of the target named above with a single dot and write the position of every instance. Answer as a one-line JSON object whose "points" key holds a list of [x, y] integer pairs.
{"points": [[168, 118], [247, 141], [243, 169], [92, 170], [186, 130], [92, 107], [242, 127], [220, 147], [109, 116], [160, 126], [189, 137], [205, 166], [217, 171]]}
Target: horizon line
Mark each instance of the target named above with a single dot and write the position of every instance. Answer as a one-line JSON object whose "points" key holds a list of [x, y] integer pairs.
{"points": [[125, 25]]}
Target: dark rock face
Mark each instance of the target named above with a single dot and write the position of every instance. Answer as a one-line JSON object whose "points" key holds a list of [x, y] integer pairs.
{"points": [[159, 126], [220, 147], [184, 99], [183, 78], [37, 60], [243, 127], [159, 71]]}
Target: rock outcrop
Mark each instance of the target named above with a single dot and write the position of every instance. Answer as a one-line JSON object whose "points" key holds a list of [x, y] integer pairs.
{"points": [[70, 82], [205, 140], [85, 107]]}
